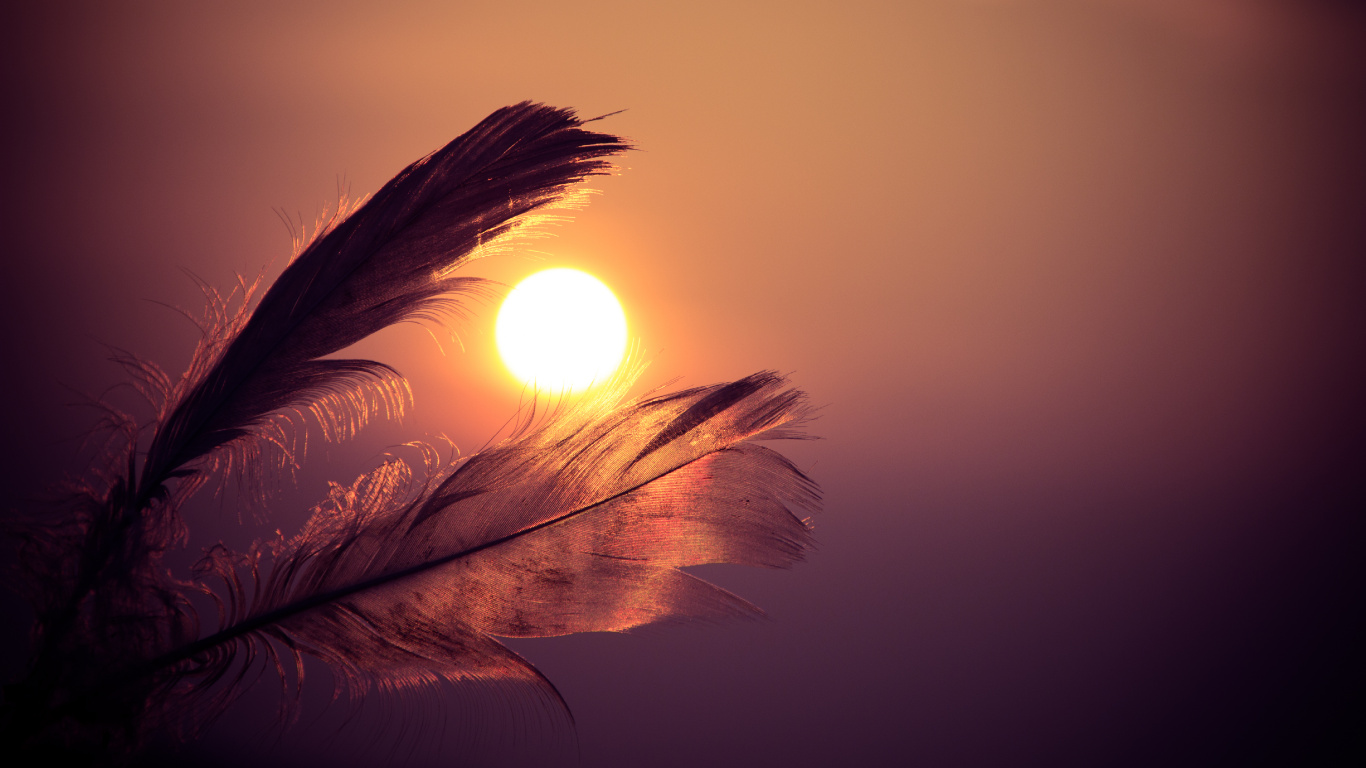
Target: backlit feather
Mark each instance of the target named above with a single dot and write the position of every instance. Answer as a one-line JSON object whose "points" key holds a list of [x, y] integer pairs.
{"points": [[581, 525]]}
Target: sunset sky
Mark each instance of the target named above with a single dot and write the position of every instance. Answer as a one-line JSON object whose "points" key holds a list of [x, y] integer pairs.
{"points": [[1077, 285]]}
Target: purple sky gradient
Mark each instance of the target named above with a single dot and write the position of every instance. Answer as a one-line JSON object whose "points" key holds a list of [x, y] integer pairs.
{"points": [[1079, 287]]}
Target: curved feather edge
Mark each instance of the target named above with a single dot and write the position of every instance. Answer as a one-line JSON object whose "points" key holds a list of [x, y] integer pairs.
{"points": [[407, 579]]}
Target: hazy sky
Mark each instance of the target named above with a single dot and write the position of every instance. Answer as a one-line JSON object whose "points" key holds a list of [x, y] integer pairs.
{"points": [[1077, 284]]}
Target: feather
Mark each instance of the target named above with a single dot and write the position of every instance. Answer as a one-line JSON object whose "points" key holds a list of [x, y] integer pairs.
{"points": [[405, 578], [387, 262], [581, 525]]}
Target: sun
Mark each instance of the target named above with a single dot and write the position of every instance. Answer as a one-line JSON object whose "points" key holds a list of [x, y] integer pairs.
{"points": [[561, 330]]}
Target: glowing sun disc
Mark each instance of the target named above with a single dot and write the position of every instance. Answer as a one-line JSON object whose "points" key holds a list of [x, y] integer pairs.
{"points": [[561, 330]]}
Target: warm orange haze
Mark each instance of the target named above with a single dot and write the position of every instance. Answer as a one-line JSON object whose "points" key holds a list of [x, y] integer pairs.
{"points": [[411, 578], [561, 330], [1075, 288]]}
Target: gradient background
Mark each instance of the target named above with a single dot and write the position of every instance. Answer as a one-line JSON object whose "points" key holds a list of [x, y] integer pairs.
{"points": [[1078, 284]]}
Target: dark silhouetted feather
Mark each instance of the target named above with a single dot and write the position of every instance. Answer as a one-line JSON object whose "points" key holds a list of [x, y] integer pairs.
{"points": [[388, 261]]}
